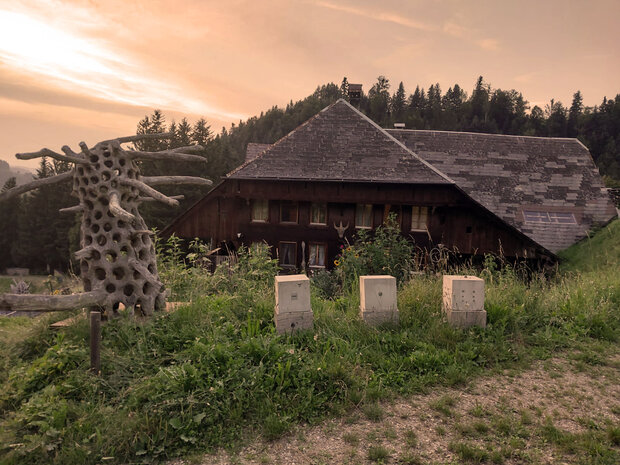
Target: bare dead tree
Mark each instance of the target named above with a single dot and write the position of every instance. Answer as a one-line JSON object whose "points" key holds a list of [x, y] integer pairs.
{"points": [[117, 258]]}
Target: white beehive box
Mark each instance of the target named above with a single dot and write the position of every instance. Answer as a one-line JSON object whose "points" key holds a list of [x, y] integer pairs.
{"points": [[293, 311], [463, 301], [463, 293], [287, 323], [292, 293], [378, 299]]}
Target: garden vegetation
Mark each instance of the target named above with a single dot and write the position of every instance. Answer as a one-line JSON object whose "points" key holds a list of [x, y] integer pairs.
{"points": [[214, 372]]}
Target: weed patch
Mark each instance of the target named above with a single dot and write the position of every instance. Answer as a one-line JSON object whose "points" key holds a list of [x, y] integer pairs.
{"points": [[378, 454], [443, 405]]}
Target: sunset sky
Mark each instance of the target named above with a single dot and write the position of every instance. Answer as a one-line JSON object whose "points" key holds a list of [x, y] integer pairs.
{"points": [[89, 70]]}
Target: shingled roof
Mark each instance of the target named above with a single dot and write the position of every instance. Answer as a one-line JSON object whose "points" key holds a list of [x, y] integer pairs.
{"points": [[340, 143], [254, 149], [510, 174], [505, 174]]}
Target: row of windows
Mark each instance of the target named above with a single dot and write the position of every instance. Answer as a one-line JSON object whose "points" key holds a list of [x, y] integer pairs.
{"points": [[317, 254], [289, 213]]}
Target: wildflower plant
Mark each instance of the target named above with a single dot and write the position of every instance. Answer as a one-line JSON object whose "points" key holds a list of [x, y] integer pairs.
{"points": [[384, 252]]}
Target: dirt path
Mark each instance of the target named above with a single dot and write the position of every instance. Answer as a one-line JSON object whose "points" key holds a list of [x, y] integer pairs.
{"points": [[564, 410]]}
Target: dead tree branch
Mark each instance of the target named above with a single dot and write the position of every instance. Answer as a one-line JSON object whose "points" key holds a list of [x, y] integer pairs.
{"points": [[165, 155], [18, 190], [85, 253], [143, 270], [70, 153], [50, 303], [50, 153], [85, 149], [148, 190], [159, 135], [188, 149], [118, 211], [137, 232], [169, 180], [73, 209], [151, 199]]}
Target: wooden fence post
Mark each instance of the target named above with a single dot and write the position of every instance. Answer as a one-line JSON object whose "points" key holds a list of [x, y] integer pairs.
{"points": [[95, 342]]}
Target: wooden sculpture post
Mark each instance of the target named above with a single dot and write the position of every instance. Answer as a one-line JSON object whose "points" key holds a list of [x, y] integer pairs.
{"points": [[117, 258]]}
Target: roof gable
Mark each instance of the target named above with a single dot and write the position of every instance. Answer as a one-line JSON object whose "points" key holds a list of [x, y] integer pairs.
{"points": [[340, 144], [510, 174]]}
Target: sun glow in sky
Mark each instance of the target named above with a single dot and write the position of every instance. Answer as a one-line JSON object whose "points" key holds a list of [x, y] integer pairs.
{"points": [[31, 44], [90, 69], [86, 65]]}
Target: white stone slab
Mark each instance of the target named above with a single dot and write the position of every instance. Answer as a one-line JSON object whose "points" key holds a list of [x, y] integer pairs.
{"points": [[292, 293], [379, 318], [378, 293], [463, 293], [378, 300], [287, 323], [465, 319]]}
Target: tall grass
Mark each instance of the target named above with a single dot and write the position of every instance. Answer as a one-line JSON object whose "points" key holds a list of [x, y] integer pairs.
{"points": [[214, 371]]}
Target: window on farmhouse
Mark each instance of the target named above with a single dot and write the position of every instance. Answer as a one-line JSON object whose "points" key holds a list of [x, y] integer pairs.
{"points": [[318, 252], [287, 253], [260, 210], [288, 212], [318, 213], [549, 217], [363, 216], [419, 218]]}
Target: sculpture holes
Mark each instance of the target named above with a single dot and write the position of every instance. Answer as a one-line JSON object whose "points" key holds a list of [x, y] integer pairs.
{"points": [[117, 259]]}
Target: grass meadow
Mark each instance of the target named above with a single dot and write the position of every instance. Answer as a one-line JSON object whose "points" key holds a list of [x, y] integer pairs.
{"points": [[214, 372]]}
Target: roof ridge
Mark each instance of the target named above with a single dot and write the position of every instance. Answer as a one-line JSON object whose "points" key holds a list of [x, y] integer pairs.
{"points": [[443, 131], [400, 144]]}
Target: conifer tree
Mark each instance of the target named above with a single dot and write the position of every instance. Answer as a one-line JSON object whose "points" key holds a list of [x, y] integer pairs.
{"points": [[379, 101], [398, 103], [556, 119], [479, 106], [574, 115], [184, 134], [173, 142], [201, 133]]}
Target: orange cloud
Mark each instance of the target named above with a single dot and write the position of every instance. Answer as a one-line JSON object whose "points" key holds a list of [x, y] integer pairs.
{"points": [[71, 60]]}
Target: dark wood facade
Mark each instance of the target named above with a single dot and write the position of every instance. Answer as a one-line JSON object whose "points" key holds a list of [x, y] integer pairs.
{"points": [[455, 221], [470, 193]]}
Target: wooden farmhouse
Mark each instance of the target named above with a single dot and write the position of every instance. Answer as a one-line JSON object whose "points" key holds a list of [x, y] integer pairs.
{"points": [[339, 172]]}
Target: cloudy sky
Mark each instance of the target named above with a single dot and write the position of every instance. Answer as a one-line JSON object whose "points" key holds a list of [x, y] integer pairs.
{"points": [[74, 70]]}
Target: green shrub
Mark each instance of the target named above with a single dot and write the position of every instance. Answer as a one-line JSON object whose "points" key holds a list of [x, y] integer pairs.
{"points": [[384, 252]]}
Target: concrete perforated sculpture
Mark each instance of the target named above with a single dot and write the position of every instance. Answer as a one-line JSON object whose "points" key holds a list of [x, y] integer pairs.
{"points": [[117, 259]]}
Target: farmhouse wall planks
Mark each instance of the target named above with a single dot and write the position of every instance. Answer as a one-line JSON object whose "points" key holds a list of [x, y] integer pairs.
{"points": [[474, 193]]}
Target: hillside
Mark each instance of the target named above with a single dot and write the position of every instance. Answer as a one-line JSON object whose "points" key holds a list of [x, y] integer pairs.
{"points": [[21, 175], [215, 374], [601, 251]]}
